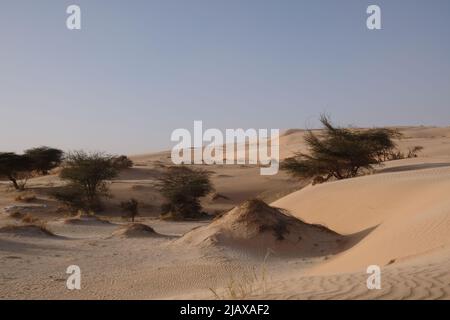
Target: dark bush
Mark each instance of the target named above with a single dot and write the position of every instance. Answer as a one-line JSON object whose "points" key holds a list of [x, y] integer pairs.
{"points": [[122, 162], [73, 197], [88, 174], [131, 207], [414, 151], [44, 159], [182, 187], [16, 168]]}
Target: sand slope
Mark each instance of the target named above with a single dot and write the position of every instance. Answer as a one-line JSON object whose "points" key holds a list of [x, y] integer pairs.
{"points": [[424, 277], [407, 214]]}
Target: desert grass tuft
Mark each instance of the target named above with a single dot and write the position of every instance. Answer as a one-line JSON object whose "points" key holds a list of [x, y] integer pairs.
{"points": [[250, 284], [25, 198], [28, 218]]}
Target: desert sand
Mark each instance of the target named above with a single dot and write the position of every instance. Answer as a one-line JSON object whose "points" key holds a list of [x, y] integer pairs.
{"points": [[312, 242]]}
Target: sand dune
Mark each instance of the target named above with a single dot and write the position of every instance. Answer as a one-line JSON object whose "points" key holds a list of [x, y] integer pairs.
{"points": [[409, 213]]}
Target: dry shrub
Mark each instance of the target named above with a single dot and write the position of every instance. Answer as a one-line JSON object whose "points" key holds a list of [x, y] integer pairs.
{"points": [[28, 218], [25, 198], [16, 215], [249, 284], [122, 162]]}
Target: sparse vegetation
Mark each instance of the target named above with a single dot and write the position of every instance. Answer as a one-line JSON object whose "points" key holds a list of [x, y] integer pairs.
{"points": [[16, 215], [131, 207], [249, 284], [122, 162], [88, 174], [279, 230], [182, 187], [16, 168], [340, 153], [25, 198], [44, 159], [414, 151], [395, 155], [28, 218], [71, 196]]}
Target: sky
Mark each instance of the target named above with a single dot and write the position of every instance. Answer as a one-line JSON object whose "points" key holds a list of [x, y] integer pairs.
{"points": [[137, 70]]}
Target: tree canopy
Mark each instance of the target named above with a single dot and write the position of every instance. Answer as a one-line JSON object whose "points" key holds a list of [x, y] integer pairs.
{"points": [[15, 167], [131, 207], [44, 158], [340, 153], [88, 174], [183, 187]]}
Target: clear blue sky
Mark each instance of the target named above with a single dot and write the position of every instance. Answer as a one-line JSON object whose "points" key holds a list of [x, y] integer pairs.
{"points": [[140, 69]]}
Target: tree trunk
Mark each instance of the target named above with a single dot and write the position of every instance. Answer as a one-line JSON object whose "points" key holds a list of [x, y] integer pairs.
{"points": [[14, 182]]}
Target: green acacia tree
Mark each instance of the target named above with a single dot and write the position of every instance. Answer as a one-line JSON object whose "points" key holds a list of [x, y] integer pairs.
{"points": [[182, 187], [16, 168], [340, 153], [44, 158], [87, 174]]}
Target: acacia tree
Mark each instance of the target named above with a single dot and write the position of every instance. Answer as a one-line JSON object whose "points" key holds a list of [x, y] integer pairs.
{"points": [[16, 168], [44, 158], [182, 187], [88, 174], [340, 153]]}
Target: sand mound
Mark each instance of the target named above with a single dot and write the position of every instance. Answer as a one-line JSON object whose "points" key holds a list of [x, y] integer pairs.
{"points": [[256, 228], [135, 230], [86, 220], [27, 231]]}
